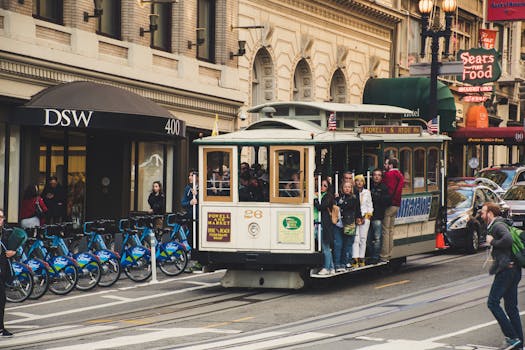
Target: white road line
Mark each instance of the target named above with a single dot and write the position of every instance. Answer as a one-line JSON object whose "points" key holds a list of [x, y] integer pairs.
{"points": [[402, 344], [43, 330], [106, 291], [248, 338], [22, 314], [105, 305], [370, 338], [142, 338], [116, 297], [52, 335], [466, 330]]}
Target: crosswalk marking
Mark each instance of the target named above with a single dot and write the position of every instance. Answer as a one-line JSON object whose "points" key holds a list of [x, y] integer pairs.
{"points": [[142, 338]]}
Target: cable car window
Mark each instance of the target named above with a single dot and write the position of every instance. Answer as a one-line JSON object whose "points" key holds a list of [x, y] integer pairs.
{"points": [[433, 169], [287, 180], [405, 166], [419, 170], [218, 179], [253, 174]]}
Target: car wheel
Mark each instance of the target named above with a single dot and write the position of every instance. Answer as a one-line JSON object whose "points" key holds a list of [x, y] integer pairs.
{"points": [[473, 241]]}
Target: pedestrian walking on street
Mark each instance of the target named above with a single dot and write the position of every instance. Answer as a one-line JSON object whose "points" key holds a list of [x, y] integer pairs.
{"points": [[156, 199], [507, 275], [394, 181], [54, 197], [5, 274], [33, 208], [381, 200]]}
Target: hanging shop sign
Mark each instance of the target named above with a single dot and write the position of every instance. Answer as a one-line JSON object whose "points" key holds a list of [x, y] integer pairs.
{"points": [[474, 98], [487, 38], [480, 66], [506, 10]]}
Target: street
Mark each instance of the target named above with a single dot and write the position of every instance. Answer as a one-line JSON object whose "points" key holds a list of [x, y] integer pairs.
{"points": [[437, 301]]}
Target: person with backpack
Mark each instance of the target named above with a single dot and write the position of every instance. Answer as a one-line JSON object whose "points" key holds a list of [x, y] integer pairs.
{"points": [[507, 275]]}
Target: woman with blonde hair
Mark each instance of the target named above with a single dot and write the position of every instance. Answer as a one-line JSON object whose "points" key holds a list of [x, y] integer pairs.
{"points": [[367, 209]]}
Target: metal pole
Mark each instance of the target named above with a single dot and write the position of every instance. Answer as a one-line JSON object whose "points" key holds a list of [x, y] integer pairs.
{"points": [[434, 66], [153, 243], [194, 209], [319, 228]]}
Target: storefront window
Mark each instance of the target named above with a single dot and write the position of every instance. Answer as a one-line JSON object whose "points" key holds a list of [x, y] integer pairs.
{"points": [[14, 168], [2, 163], [218, 180], [76, 179], [149, 164]]}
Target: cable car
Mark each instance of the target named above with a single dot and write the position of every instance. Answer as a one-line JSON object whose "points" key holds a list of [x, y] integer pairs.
{"points": [[257, 186]]}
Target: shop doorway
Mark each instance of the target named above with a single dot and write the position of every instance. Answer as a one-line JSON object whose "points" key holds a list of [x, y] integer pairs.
{"points": [[63, 155]]}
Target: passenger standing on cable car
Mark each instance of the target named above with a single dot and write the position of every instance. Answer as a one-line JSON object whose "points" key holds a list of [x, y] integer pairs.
{"points": [[380, 200], [367, 209], [344, 237], [324, 206], [394, 181]]}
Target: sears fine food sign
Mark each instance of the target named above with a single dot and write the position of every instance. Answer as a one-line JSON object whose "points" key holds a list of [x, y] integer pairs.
{"points": [[414, 209], [480, 66]]}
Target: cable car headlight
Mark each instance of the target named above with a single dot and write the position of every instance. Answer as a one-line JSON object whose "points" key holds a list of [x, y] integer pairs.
{"points": [[460, 223]]}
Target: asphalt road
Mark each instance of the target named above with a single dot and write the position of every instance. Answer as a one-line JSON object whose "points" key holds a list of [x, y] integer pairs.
{"points": [[437, 301]]}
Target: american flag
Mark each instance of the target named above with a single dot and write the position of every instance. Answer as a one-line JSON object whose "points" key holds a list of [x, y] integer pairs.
{"points": [[433, 126], [332, 122]]}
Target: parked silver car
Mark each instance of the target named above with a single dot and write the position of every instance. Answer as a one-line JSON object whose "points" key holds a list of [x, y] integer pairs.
{"points": [[504, 175], [515, 198]]}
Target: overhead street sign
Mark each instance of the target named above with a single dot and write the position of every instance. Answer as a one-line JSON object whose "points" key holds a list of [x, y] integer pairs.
{"points": [[444, 68]]}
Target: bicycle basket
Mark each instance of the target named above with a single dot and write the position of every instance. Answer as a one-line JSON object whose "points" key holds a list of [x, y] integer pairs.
{"points": [[16, 239]]}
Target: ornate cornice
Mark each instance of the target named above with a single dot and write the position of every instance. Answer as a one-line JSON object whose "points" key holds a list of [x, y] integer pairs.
{"points": [[48, 74]]}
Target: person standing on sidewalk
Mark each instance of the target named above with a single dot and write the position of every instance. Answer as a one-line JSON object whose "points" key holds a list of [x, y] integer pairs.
{"points": [[189, 200], [507, 275], [5, 275], [381, 201], [394, 181]]}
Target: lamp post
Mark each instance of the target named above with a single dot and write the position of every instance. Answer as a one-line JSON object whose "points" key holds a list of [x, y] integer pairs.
{"points": [[435, 31]]}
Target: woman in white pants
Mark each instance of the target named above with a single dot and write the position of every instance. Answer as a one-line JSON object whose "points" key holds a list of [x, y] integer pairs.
{"points": [[367, 209]]}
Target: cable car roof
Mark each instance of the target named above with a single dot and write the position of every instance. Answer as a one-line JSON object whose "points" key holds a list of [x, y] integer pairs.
{"points": [[298, 132], [335, 107]]}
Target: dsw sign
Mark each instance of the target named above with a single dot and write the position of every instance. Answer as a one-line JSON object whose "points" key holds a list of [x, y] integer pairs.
{"points": [[67, 117]]}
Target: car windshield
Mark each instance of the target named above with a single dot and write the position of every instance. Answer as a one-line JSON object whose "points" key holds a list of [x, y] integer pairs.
{"points": [[459, 198], [503, 177], [515, 193]]}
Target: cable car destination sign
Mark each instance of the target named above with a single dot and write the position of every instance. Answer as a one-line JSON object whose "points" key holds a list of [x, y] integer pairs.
{"points": [[480, 66]]}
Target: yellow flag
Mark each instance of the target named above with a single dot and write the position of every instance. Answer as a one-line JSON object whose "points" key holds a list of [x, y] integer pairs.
{"points": [[215, 131]]}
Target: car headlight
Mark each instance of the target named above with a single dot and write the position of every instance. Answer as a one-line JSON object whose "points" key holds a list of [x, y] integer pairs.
{"points": [[460, 223]]}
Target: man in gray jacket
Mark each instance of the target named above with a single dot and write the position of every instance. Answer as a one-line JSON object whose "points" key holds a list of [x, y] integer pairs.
{"points": [[507, 275]]}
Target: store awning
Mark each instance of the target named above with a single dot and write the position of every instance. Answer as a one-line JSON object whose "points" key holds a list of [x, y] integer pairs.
{"points": [[88, 105], [511, 135], [413, 93]]}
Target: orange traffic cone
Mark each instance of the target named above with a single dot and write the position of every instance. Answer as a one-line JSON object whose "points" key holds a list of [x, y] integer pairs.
{"points": [[440, 241]]}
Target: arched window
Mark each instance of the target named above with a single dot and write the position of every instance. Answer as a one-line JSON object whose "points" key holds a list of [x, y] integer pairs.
{"points": [[433, 169], [302, 82], [262, 78], [405, 166], [338, 87], [419, 170]]}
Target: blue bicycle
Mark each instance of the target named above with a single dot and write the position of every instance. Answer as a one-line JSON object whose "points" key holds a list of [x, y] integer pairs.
{"points": [[109, 260], [40, 270], [63, 270], [135, 258], [89, 270], [170, 255], [20, 288]]}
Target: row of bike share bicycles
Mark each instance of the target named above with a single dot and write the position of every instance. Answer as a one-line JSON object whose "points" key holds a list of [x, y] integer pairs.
{"points": [[63, 256]]}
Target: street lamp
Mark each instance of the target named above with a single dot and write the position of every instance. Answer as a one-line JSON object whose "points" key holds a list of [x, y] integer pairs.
{"points": [[435, 31]]}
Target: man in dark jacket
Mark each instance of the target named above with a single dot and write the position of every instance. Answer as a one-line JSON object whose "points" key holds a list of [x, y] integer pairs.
{"points": [[5, 275], [507, 275], [381, 200], [54, 197]]}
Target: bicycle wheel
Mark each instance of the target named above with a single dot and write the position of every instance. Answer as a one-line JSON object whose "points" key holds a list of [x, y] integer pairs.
{"points": [[40, 283], [20, 288], [110, 272], [140, 271], [89, 276], [64, 281], [175, 264]]}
